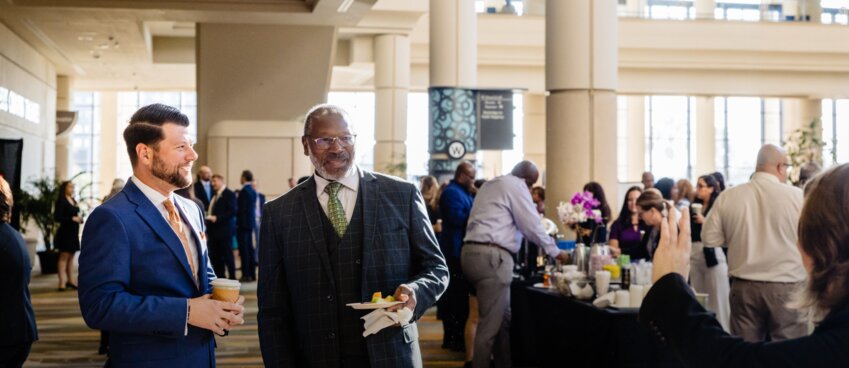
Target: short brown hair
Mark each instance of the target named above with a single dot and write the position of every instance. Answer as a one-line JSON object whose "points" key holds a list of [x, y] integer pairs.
{"points": [[6, 201], [824, 237], [145, 127], [651, 198]]}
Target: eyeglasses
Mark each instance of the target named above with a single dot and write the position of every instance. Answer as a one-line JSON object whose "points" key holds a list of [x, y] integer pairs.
{"points": [[326, 142]]}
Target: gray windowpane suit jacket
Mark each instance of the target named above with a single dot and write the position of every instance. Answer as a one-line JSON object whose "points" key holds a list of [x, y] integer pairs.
{"points": [[297, 311]]}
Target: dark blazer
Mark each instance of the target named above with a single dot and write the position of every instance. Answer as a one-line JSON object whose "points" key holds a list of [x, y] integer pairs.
{"points": [[455, 205], [17, 320], [135, 280], [246, 215], [224, 209], [671, 311], [200, 193], [297, 313], [67, 237]]}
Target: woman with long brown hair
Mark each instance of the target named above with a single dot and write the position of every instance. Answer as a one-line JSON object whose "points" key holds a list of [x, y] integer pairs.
{"points": [[430, 192], [652, 209], [709, 268], [671, 311]]}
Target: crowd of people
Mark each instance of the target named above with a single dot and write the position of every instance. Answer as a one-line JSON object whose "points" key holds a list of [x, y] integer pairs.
{"points": [[151, 251]]}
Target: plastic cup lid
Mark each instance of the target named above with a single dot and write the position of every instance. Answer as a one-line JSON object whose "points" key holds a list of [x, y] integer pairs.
{"points": [[226, 283]]}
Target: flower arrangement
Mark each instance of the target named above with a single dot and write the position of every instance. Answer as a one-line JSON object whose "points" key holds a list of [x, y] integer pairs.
{"points": [[580, 209]]}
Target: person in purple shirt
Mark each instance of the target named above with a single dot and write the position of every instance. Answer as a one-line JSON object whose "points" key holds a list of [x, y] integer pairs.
{"points": [[502, 212], [627, 231]]}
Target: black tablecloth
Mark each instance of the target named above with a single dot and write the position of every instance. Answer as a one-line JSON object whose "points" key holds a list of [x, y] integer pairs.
{"points": [[551, 330]]}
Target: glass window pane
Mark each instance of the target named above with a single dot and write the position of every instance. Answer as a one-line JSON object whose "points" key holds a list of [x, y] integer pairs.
{"points": [[744, 137], [721, 143], [360, 106], [418, 125], [4, 99], [16, 104], [669, 145]]}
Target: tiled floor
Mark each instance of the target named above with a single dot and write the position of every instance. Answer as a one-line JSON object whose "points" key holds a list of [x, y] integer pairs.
{"points": [[65, 340]]}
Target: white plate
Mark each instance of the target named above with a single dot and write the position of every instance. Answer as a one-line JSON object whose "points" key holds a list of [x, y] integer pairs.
{"points": [[373, 305]]}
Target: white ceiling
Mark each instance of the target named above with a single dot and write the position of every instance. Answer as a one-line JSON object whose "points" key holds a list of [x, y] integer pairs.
{"points": [[108, 44]]}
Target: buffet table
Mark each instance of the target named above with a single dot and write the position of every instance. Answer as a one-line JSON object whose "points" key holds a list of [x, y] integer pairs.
{"points": [[552, 330]]}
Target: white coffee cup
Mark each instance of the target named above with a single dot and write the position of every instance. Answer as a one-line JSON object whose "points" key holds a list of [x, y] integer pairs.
{"points": [[602, 282], [636, 298], [623, 299], [697, 208]]}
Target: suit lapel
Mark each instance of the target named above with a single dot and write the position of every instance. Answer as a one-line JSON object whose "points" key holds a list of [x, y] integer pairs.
{"points": [[368, 189], [148, 212], [313, 216]]}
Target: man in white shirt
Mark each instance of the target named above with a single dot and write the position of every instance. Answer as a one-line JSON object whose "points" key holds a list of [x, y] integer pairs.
{"points": [[757, 221]]}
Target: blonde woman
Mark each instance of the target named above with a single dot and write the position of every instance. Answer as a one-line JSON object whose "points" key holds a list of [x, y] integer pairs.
{"points": [[430, 192]]}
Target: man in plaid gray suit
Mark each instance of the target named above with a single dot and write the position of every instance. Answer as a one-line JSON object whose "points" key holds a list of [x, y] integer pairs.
{"points": [[335, 239]]}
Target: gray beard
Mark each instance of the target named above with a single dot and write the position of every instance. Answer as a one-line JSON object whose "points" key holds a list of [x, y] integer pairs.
{"points": [[324, 174]]}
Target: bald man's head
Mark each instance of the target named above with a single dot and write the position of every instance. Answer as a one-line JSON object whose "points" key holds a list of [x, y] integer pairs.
{"points": [[465, 174], [526, 170], [205, 173], [773, 160]]}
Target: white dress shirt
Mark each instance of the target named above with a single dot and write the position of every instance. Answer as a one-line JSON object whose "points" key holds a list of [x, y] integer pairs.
{"points": [[758, 222], [158, 199], [347, 194]]}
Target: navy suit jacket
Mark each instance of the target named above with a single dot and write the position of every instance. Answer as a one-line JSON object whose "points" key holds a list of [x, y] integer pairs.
{"points": [[17, 320], [246, 215], [200, 193], [297, 313], [455, 205], [135, 280], [224, 209]]}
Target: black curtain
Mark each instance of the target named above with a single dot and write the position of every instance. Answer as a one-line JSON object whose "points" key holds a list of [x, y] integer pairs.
{"points": [[11, 151]]}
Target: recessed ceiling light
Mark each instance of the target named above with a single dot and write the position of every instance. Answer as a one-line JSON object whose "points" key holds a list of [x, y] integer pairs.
{"points": [[85, 38]]}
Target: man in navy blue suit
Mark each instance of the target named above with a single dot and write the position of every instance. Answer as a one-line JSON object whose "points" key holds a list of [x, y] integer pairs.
{"points": [[144, 269], [221, 224], [245, 226]]}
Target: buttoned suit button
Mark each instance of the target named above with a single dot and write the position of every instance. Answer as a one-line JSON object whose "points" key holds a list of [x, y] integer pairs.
{"points": [[331, 335], [330, 298], [358, 261]]}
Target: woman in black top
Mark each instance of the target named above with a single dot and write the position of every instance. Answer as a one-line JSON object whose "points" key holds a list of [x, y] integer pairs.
{"points": [[430, 192], [16, 317], [67, 240], [709, 270], [597, 231]]}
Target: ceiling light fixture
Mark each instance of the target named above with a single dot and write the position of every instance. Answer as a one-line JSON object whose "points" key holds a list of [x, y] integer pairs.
{"points": [[343, 8]]}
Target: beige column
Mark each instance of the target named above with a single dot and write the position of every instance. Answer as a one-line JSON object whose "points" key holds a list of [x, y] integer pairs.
{"points": [[453, 43], [63, 141], [705, 9], [453, 61], [109, 148], [635, 8], [812, 9], [798, 112], [790, 8], [534, 7], [581, 77], [636, 137], [391, 84], [534, 132], [705, 136]]}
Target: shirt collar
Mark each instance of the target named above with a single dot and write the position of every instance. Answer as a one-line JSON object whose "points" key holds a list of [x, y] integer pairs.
{"points": [[152, 195], [765, 176], [350, 181]]}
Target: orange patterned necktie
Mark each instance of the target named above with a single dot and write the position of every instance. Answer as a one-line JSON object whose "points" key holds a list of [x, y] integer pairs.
{"points": [[177, 225]]}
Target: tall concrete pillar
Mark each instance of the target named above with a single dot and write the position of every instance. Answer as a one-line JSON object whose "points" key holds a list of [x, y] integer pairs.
{"points": [[453, 43], [63, 141], [581, 77], [108, 143], [705, 137], [534, 132], [453, 63], [636, 133], [705, 9], [391, 84]]}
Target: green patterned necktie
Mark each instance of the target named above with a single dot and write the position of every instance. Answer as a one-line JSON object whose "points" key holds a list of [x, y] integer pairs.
{"points": [[334, 208]]}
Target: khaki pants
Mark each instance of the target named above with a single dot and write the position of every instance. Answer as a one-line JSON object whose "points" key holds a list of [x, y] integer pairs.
{"points": [[759, 310], [490, 270]]}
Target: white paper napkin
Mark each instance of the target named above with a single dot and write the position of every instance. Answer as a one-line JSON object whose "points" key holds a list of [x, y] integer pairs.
{"points": [[382, 318]]}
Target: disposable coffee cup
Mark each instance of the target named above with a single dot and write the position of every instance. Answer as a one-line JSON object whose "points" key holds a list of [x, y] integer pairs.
{"points": [[636, 297], [602, 282], [623, 299], [225, 290], [697, 208]]}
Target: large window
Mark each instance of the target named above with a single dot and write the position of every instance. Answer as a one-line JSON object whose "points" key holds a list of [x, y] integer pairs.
{"points": [[669, 136], [835, 131], [743, 125], [129, 102], [85, 143], [418, 129]]}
